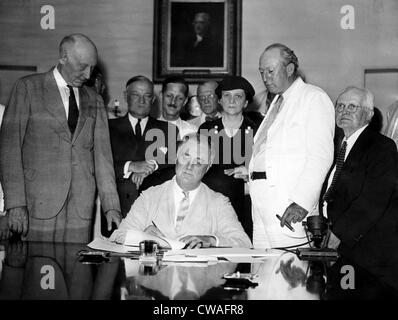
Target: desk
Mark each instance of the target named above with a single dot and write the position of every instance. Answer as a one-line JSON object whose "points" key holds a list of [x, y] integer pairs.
{"points": [[27, 268]]}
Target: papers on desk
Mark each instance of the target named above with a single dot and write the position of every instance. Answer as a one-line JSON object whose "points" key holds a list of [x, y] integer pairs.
{"points": [[212, 254], [134, 237], [102, 243]]}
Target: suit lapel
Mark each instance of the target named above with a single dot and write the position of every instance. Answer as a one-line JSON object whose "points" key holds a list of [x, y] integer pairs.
{"points": [[84, 107], [54, 105], [358, 150]]}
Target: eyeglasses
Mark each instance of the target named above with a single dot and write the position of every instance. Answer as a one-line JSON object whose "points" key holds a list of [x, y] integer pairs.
{"points": [[203, 98], [351, 108]]}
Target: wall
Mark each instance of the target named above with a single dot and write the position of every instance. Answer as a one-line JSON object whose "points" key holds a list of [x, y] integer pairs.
{"points": [[123, 30]]}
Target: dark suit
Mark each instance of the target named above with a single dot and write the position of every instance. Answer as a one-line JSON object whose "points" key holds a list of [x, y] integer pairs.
{"points": [[358, 209], [216, 179], [127, 147], [45, 168]]}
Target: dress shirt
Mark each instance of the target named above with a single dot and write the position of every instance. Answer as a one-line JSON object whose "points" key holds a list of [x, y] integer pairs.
{"points": [[64, 91], [184, 127], [179, 195], [134, 121]]}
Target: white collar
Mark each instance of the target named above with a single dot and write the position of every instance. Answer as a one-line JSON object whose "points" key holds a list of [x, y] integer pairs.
{"points": [[179, 192], [59, 79]]}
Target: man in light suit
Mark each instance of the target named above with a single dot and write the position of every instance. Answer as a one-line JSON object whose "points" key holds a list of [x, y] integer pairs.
{"points": [[133, 167], [184, 208], [360, 198], [292, 152], [55, 151]]}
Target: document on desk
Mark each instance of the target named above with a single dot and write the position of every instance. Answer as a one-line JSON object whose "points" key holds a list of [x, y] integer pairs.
{"points": [[102, 243], [231, 254], [134, 237]]}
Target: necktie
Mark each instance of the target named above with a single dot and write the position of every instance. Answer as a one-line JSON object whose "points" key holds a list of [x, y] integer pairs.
{"points": [[262, 135], [138, 129], [339, 165], [73, 114], [183, 210]]}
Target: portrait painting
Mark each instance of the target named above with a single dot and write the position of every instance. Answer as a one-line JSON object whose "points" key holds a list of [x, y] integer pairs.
{"points": [[197, 39]]}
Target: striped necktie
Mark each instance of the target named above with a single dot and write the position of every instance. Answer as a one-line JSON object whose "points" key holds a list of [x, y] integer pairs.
{"points": [[183, 210], [339, 166]]}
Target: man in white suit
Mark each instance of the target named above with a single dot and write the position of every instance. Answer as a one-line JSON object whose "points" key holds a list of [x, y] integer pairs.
{"points": [[292, 153], [184, 208]]}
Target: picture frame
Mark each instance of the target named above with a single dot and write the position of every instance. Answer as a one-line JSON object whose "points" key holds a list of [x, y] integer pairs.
{"points": [[197, 39]]}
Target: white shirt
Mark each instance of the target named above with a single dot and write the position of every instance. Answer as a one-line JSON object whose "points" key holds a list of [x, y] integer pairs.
{"points": [[179, 195], [134, 121], [184, 127], [64, 91]]}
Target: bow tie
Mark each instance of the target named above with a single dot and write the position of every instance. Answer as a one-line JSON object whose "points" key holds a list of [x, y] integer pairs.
{"points": [[209, 118]]}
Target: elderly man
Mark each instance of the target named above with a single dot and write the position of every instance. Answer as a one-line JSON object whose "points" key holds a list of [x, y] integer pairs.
{"points": [[184, 208], [55, 150], [362, 181], [174, 95], [132, 136], [208, 102], [292, 152]]}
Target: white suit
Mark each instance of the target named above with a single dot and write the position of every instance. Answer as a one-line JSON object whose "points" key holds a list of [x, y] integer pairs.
{"points": [[296, 157]]}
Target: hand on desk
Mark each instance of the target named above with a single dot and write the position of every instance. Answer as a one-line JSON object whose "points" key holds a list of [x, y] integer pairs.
{"points": [[18, 220], [192, 242], [293, 213], [113, 216]]}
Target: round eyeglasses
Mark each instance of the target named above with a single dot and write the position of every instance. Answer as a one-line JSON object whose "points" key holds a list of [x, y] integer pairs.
{"points": [[351, 108]]}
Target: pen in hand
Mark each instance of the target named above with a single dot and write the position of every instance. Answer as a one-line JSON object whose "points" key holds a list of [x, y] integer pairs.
{"points": [[287, 224], [154, 230]]}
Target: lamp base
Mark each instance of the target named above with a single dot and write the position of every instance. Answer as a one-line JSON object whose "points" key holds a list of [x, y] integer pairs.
{"points": [[315, 254]]}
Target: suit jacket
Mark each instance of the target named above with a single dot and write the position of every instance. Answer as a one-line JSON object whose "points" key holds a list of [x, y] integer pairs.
{"points": [[299, 147], [127, 147], [363, 193], [210, 214], [40, 161]]}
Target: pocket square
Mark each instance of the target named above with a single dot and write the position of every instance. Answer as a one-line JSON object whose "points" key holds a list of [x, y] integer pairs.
{"points": [[163, 149]]}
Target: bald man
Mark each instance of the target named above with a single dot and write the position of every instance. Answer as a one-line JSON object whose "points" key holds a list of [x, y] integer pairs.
{"points": [[55, 151]]}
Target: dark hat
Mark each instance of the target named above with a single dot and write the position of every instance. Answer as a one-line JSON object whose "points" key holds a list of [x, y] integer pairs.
{"points": [[236, 82]]}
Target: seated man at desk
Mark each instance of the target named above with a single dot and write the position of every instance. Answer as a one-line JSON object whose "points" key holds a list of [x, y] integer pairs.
{"points": [[184, 208]]}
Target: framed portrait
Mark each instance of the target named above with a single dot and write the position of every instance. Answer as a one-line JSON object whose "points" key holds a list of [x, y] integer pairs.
{"points": [[197, 39]]}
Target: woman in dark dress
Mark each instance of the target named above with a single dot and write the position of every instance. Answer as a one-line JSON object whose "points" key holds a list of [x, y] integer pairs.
{"points": [[232, 135]]}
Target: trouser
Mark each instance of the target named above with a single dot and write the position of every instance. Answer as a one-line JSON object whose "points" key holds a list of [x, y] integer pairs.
{"points": [[266, 204], [66, 226]]}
